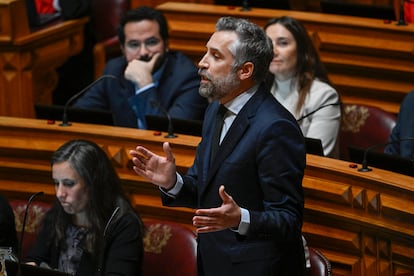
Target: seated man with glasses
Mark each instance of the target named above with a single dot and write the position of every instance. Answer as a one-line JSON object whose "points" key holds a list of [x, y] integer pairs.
{"points": [[150, 76]]}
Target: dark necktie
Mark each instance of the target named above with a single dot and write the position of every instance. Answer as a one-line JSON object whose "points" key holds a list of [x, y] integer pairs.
{"points": [[217, 131]]}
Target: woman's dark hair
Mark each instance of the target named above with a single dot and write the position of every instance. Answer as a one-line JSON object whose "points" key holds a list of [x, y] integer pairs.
{"points": [[309, 65], [102, 185], [143, 13]]}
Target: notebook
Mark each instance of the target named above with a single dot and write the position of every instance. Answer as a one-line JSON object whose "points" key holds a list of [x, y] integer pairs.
{"points": [[89, 116], [188, 127], [36, 19], [30, 270], [390, 162]]}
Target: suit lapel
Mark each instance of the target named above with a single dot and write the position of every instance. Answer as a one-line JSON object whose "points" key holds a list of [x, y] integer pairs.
{"points": [[235, 133]]}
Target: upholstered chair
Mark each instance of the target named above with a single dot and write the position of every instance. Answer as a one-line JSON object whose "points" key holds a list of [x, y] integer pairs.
{"points": [[364, 126], [169, 249], [320, 265], [35, 215]]}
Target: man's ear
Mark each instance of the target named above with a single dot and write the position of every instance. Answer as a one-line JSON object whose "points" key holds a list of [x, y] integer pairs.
{"points": [[246, 70]]}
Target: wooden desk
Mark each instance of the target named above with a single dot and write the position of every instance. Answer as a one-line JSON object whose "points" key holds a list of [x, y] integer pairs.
{"points": [[363, 222], [368, 61], [28, 59]]}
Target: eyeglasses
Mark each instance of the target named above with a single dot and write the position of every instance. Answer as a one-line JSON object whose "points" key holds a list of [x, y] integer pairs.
{"points": [[149, 44]]}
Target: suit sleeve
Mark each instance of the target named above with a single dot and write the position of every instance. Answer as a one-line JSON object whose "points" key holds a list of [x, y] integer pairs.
{"points": [[404, 128], [98, 96], [280, 163]]}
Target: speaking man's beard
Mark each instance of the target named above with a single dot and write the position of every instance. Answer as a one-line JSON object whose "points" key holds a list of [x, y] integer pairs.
{"points": [[216, 89]]}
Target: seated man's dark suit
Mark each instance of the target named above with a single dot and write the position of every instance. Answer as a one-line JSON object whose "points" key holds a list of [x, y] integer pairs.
{"points": [[403, 129], [261, 163], [8, 235], [177, 92]]}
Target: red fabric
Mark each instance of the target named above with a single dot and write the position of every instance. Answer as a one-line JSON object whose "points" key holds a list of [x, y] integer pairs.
{"points": [[44, 6], [409, 11]]}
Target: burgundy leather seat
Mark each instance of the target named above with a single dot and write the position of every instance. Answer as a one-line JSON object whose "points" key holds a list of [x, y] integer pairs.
{"points": [[37, 210], [364, 126], [320, 265], [169, 249]]}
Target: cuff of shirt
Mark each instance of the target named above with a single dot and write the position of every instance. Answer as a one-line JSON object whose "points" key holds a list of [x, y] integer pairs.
{"points": [[145, 88], [176, 189], [244, 223]]}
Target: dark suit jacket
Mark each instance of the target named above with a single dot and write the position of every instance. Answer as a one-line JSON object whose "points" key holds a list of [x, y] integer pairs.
{"points": [[8, 235], [177, 92], [403, 129], [261, 163]]}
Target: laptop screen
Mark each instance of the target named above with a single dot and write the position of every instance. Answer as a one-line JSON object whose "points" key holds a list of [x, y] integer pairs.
{"points": [[89, 116], [194, 127], [382, 160], [188, 127], [314, 146], [30, 270]]}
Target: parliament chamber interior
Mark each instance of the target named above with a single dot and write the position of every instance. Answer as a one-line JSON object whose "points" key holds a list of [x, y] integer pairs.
{"points": [[361, 222]]}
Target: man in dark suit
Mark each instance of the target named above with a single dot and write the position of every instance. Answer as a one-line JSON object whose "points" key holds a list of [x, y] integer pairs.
{"points": [[248, 198], [8, 235], [403, 129], [152, 75]]}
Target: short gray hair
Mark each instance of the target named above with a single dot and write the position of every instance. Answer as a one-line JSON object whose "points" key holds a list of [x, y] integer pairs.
{"points": [[253, 45]]}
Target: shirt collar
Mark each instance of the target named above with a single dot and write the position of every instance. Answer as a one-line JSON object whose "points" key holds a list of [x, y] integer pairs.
{"points": [[236, 104]]}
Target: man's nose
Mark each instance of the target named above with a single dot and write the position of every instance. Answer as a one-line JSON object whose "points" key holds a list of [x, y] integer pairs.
{"points": [[143, 51], [202, 63]]}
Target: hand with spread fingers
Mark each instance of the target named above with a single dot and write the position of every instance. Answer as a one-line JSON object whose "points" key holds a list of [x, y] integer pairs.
{"points": [[161, 171], [216, 219]]}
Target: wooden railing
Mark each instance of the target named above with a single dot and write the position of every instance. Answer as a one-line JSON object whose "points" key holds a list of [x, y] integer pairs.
{"points": [[363, 222], [303, 5], [369, 61]]}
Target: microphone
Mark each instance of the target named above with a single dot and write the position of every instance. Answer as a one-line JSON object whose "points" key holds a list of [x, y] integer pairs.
{"points": [[364, 167], [101, 255], [319, 108], [31, 198], [65, 121], [170, 134], [401, 20], [245, 6]]}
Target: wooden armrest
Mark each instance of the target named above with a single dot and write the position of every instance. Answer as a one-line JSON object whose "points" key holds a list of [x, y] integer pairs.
{"points": [[103, 51]]}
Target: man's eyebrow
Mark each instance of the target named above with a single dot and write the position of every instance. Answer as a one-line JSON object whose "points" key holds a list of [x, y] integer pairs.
{"points": [[215, 49]]}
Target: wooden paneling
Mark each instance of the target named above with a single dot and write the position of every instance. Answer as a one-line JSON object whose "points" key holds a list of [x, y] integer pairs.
{"points": [[305, 5], [363, 222], [154, 3], [28, 58], [369, 61]]}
